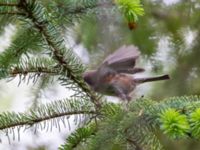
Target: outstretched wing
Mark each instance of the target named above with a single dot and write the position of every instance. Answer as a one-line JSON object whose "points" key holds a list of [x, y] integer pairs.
{"points": [[122, 58], [121, 61]]}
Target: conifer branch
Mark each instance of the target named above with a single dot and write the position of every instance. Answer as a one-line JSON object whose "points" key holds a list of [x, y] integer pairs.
{"points": [[30, 120], [39, 70], [31, 67], [45, 112], [44, 27], [79, 136]]}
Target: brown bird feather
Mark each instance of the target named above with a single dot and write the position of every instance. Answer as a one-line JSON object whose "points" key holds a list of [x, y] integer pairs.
{"points": [[113, 76]]}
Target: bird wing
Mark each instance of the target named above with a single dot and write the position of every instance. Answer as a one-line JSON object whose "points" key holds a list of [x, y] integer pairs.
{"points": [[121, 61], [125, 56]]}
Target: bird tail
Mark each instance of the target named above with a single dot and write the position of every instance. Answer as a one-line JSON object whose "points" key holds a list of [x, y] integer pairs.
{"points": [[150, 79]]}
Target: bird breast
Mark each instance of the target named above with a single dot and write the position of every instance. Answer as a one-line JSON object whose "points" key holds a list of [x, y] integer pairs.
{"points": [[125, 82], [117, 81]]}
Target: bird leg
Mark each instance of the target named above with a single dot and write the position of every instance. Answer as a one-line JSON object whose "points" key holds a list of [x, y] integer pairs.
{"points": [[119, 92]]}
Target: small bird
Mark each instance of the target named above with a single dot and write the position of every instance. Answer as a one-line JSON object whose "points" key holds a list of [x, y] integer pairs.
{"points": [[114, 76]]}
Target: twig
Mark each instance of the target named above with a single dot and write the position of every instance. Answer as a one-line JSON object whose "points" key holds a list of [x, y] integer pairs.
{"points": [[17, 71]]}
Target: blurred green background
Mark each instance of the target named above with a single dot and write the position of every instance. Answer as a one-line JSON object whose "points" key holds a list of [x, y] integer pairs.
{"points": [[168, 38]]}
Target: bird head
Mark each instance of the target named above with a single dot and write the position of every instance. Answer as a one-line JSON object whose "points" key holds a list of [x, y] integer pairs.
{"points": [[90, 77]]}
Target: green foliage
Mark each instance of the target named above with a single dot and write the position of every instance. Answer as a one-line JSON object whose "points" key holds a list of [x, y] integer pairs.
{"points": [[59, 111], [18, 47], [33, 68], [110, 110], [79, 136], [131, 9], [123, 129], [136, 127], [70, 11], [109, 134], [8, 15], [173, 123], [30, 69], [195, 123]]}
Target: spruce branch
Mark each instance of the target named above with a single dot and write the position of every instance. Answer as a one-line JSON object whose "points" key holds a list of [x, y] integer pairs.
{"points": [[31, 68], [57, 109], [73, 10], [40, 65], [39, 70], [56, 45], [24, 41], [81, 135], [29, 120], [124, 127], [177, 117], [172, 116], [32, 73]]}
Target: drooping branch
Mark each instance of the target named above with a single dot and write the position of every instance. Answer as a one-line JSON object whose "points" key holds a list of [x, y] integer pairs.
{"points": [[45, 112], [27, 121]]}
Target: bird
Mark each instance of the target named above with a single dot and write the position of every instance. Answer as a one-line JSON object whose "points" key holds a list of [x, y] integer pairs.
{"points": [[114, 76]]}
